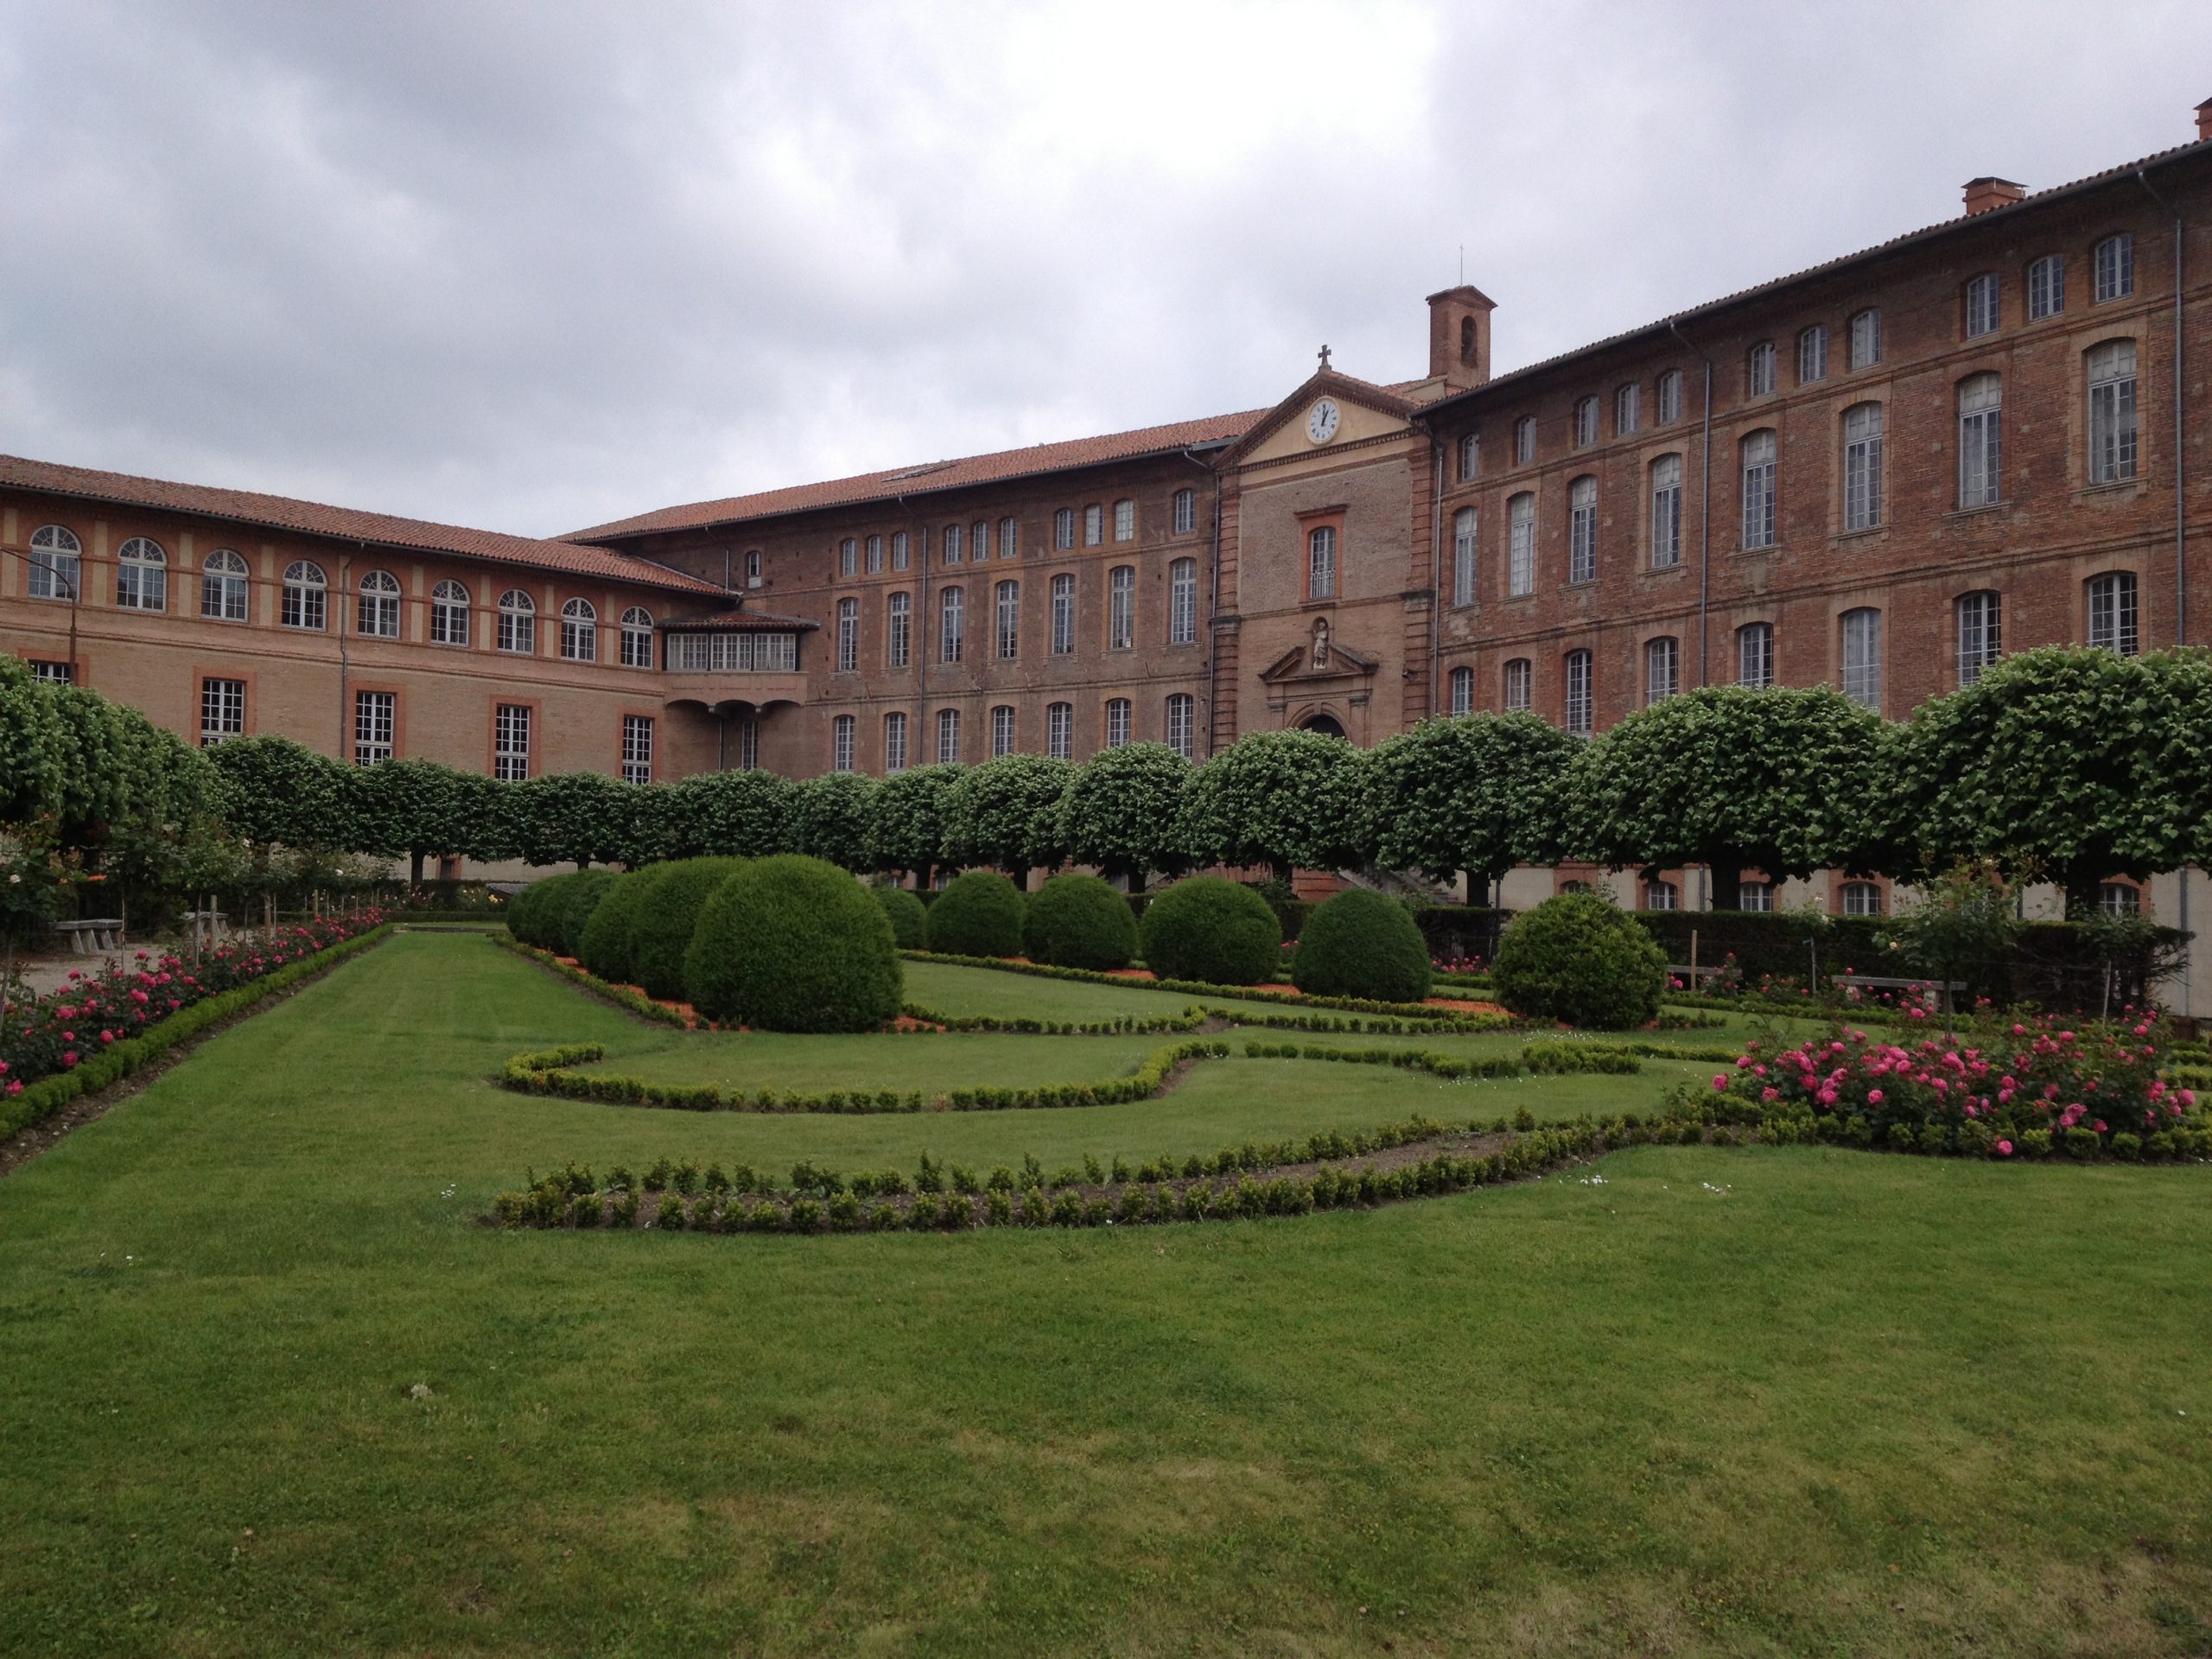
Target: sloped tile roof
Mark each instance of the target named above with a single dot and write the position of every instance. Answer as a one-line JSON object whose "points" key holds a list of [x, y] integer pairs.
{"points": [[738, 621], [345, 523]]}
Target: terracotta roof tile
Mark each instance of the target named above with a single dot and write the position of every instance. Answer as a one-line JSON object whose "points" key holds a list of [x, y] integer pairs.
{"points": [[344, 523], [738, 621]]}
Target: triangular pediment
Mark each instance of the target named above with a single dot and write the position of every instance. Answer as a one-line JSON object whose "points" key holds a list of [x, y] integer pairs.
{"points": [[1380, 410], [1321, 657]]}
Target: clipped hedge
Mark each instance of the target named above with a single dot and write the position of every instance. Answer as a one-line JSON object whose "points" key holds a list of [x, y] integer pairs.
{"points": [[793, 943], [578, 901], [1361, 943], [610, 936], [908, 916], [1210, 929], [623, 996], [977, 915], [667, 916], [1079, 921], [1580, 959]]}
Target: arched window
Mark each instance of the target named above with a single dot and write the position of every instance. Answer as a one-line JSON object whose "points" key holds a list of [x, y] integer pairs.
{"points": [[848, 561], [142, 576], [1183, 603], [580, 630], [1519, 690], [1758, 370], [876, 556], [950, 541], [1981, 305], [1665, 512], [841, 742], [1117, 723], [1524, 439], [637, 638], [2112, 412], [1662, 669], [1862, 657], [1671, 396], [1064, 528], [1009, 537], [1060, 730], [56, 562], [223, 586], [1321, 563], [1759, 489], [1463, 691], [1120, 608], [517, 622], [951, 626], [2046, 288], [1865, 340], [2112, 612], [1862, 466], [1062, 595], [1182, 724], [1125, 521], [1471, 456], [1463, 557], [305, 594], [1581, 700], [378, 613], [1008, 597], [1466, 339], [1981, 449], [1661, 894], [1755, 654], [2119, 899], [1187, 512], [899, 630], [849, 636], [1002, 730], [1586, 421], [1862, 898], [1521, 545], [894, 741], [1981, 633], [979, 540], [948, 737], [902, 550], [1582, 529], [1813, 354], [449, 614], [1628, 414], [2113, 261]]}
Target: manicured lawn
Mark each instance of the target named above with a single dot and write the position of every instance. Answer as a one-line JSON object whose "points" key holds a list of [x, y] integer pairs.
{"points": [[1689, 1401]]}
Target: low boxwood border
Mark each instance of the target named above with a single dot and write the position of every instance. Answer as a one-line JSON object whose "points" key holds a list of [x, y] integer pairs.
{"points": [[628, 998]]}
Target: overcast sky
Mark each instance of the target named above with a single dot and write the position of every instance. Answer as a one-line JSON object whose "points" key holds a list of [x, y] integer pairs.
{"points": [[532, 267]]}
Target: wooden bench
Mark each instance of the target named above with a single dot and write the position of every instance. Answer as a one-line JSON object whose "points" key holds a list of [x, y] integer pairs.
{"points": [[93, 935]]}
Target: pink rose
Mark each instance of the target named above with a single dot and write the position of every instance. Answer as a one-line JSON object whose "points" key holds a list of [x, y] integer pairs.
{"points": [[1874, 1096], [2004, 1149]]}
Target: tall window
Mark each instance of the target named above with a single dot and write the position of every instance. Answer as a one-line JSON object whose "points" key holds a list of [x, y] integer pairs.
{"points": [[637, 638], [2112, 612], [637, 748], [1582, 529], [1520, 544], [841, 742], [1009, 537], [1862, 466], [56, 563], [1182, 723], [1094, 524], [1758, 370], [222, 711], [1627, 411], [1581, 712], [1758, 490], [305, 594], [1008, 598], [848, 557], [950, 541], [1120, 608], [1981, 305], [1671, 396], [1665, 512], [449, 614], [1981, 472], [979, 540], [517, 622], [1187, 512], [1865, 340], [2046, 288], [1755, 654], [1981, 634], [748, 744], [1002, 730], [1117, 721], [1519, 687], [948, 737], [1463, 557], [1862, 898], [2113, 262], [895, 741], [1586, 421], [1062, 615], [223, 586], [580, 630], [848, 635], [142, 576], [1183, 603], [899, 630], [952, 629], [1321, 563], [377, 615], [1524, 439], [1462, 691], [1862, 657], [876, 556], [1060, 730], [1064, 528], [376, 721], [511, 742], [753, 566], [1471, 456], [2112, 412], [902, 555], [1662, 669], [1125, 521], [1813, 354]]}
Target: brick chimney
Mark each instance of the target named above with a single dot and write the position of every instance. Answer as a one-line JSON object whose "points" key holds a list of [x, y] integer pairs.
{"points": [[1982, 195], [1458, 336], [2204, 120]]}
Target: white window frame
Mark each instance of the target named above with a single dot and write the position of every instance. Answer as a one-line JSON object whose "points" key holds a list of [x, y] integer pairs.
{"points": [[948, 737], [1120, 720], [1861, 656], [1005, 611], [2112, 263], [1866, 338], [1759, 451], [305, 602], [1981, 440], [1671, 396], [1471, 456], [579, 632], [1759, 376], [376, 726], [849, 636], [225, 592], [142, 576], [898, 629], [1662, 669], [2113, 432], [1520, 544], [876, 555], [842, 729], [1755, 654], [1183, 603], [952, 624], [1860, 898], [1520, 688], [1863, 426], [1586, 420], [1464, 542], [511, 723], [1984, 305], [376, 610], [1628, 409], [1524, 440], [1094, 524], [902, 550], [1060, 730], [1665, 512], [222, 710], [2047, 286], [1580, 699], [2115, 613], [1009, 537], [1460, 691], [518, 623], [636, 749], [57, 564], [1002, 729], [1063, 598], [1121, 607], [1125, 520], [1981, 617], [1813, 354], [894, 741], [637, 640], [1064, 528], [848, 557], [449, 614], [1582, 530], [1181, 724], [1321, 562], [948, 545], [1187, 512]]}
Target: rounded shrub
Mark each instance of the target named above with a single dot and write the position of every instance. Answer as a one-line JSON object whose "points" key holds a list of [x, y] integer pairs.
{"points": [[1581, 959], [572, 913], [535, 915], [1362, 943], [792, 943], [666, 917], [608, 938], [1209, 928], [1079, 921], [978, 915], [909, 918]]}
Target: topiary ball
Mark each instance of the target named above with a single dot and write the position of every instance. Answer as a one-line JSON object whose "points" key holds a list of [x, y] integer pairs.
{"points": [[909, 918], [1581, 959], [1079, 921], [534, 918], [978, 915], [666, 917], [792, 943], [609, 936], [1361, 943], [1209, 928], [573, 911]]}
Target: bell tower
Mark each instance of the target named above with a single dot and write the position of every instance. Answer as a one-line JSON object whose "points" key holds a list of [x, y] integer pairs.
{"points": [[1458, 336]]}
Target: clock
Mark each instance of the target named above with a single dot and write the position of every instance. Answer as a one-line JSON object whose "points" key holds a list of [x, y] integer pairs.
{"points": [[1321, 421]]}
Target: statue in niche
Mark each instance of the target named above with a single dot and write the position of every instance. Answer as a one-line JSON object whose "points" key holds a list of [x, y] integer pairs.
{"points": [[1320, 642]]}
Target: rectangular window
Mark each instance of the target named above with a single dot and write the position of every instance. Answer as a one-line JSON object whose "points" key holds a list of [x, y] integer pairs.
{"points": [[1182, 723], [1981, 634], [848, 557], [1758, 370], [1521, 545], [1671, 396], [376, 719], [1862, 658], [1586, 421], [1009, 537], [749, 745], [1662, 669], [2112, 613], [1626, 409], [1187, 512], [848, 635], [1120, 608], [1758, 490], [1582, 530], [222, 710], [1117, 723], [1471, 457], [949, 542], [948, 737], [511, 742], [1060, 730], [2046, 288], [951, 628], [1755, 896], [1813, 354], [1183, 603], [1463, 557], [1062, 615], [1755, 654], [1665, 512], [1582, 711], [900, 615], [902, 552], [1981, 472], [1008, 597], [1862, 466], [1981, 306], [724, 653], [636, 749], [1865, 340], [876, 556], [1524, 440], [46, 673], [894, 741], [841, 742], [1094, 524], [2116, 269], [1519, 692], [2112, 412], [1125, 521], [1462, 694], [1002, 730], [979, 540], [1064, 528], [1321, 563]]}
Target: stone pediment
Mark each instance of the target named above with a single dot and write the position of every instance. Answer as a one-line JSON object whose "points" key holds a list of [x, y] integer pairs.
{"points": [[1321, 657]]}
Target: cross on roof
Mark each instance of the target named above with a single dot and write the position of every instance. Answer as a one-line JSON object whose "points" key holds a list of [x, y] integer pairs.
{"points": [[1325, 356]]}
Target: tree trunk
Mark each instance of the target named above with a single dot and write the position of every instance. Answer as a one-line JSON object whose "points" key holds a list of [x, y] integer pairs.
{"points": [[1282, 869], [1727, 882], [2083, 892], [415, 869]]}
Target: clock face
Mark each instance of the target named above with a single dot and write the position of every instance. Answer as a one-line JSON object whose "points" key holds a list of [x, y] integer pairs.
{"points": [[1321, 421]]}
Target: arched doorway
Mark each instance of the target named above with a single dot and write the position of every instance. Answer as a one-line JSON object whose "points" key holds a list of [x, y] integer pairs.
{"points": [[1327, 724]]}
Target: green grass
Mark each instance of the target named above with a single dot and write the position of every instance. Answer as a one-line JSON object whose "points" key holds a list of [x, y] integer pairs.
{"points": [[1736, 1401]]}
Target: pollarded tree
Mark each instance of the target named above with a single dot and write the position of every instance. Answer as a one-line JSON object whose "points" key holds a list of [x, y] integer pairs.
{"points": [[579, 817], [276, 790], [1006, 813], [829, 817], [1478, 793], [1785, 779], [906, 821], [745, 814], [2069, 763], [410, 809], [1290, 800], [1121, 809]]}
